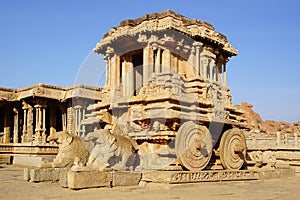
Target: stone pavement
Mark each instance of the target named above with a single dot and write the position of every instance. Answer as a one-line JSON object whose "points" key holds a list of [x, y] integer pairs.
{"points": [[13, 187]]}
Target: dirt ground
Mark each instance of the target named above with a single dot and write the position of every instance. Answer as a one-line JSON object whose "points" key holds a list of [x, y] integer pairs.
{"points": [[13, 187]]}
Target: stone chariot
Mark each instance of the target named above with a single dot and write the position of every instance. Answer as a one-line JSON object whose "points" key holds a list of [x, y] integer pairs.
{"points": [[166, 90]]}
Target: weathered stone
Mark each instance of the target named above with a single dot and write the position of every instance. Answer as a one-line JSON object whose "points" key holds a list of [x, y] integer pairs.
{"points": [[120, 178], [199, 176], [88, 179], [275, 174], [46, 174]]}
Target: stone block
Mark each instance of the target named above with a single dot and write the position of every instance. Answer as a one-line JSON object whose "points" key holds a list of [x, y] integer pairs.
{"points": [[88, 179], [63, 179], [120, 178], [276, 174], [26, 175], [46, 174]]}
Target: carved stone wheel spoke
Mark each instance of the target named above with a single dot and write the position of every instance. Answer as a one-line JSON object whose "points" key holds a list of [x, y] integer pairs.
{"points": [[193, 146], [233, 149]]}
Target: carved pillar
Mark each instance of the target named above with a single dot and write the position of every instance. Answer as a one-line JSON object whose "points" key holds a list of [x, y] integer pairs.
{"points": [[212, 66], [62, 108], [24, 132], [40, 123], [224, 75], [6, 127], [147, 63], [198, 48], [29, 123], [16, 126], [107, 72], [166, 60], [70, 119], [52, 119], [204, 68], [157, 60], [130, 77]]}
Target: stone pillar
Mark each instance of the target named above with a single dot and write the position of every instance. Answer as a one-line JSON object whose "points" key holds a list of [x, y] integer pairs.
{"points": [[6, 138], [24, 132], [40, 123], [198, 59], [166, 60], [16, 126], [29, 123], [157, 60], [70, 119], [107, 72], [204, 69], [63, 117], [78, 118], [224, 75], [147, 63], [52, 120], [129, 77]]}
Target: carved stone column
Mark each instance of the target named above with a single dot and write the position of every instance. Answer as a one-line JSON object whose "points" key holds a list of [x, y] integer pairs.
{"points": [[224, 75], [157, 60], [52, 119], [130, 76], [70, 119], [147, 63], [166, 60], [63, 117], [6, 127], [78, 118], [198, 48], [16, 126], [40, 122], [29, 123], [107, 78], [24, 132]]}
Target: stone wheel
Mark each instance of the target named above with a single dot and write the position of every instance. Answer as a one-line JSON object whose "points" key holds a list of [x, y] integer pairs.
{"points": [[233, 149], [193, 146]]}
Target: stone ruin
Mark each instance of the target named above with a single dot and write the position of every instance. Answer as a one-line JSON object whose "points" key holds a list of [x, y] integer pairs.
{"points": [[165, 106]]}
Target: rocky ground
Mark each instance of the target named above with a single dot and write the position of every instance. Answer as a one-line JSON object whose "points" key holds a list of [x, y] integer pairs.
{"points": [[13, 187], [268, 128]]}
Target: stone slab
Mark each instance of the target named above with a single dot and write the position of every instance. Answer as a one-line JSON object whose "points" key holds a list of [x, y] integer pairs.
{"points": [[276, 173], [88, 179], [46, 174], [30, 161], [200, 176], [120, 178]]}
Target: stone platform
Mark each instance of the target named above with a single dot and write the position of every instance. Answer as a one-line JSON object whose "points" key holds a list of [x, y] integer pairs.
{"points": [[93, 178]]}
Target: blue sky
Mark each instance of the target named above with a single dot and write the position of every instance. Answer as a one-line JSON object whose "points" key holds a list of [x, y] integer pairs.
{"points": [[48, 42]]}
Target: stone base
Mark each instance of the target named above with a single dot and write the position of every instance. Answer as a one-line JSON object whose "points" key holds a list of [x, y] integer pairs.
{"points": [[94, 178], [201, 176], [47, 174], [82, 179], [88, 179]]}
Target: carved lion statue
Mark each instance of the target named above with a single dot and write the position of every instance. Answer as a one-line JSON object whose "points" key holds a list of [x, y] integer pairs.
{"points": [[71, 149]]}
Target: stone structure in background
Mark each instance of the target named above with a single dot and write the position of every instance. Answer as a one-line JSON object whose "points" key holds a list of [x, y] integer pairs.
{"points": [[29, 115]]}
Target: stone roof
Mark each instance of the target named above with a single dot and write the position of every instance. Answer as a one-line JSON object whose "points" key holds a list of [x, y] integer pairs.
{"points": [[51, 92], [196, 29]]}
